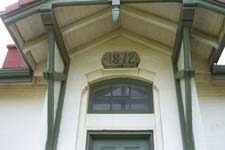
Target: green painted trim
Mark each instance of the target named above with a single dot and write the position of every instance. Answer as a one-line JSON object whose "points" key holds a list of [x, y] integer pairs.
{"points": [[128, 81], [60, 42], [188, 90], [219, 51], [186, 19], [187, 74], [101, 2], [184, 74], [218, 77], [77, 3], [212, 5], [180, 107], [50, 101], [218, 72], [16, 75], [5, 73], [148, 134], [54, 76], [218, 69], [189, 124], [23, 12], [60, 109], [187, 48], [48, 19]]}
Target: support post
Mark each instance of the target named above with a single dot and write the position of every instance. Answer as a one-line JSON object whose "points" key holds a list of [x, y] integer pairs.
{"points": [[51, 76], [48, 23], [186, 18], [188, 90], [180, 107], [50, 103], [185, 111], [60, 108]]}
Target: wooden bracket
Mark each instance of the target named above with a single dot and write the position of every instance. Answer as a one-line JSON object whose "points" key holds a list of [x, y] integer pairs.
{"points": [[182, 74], [186, 19], [47, 19], [54, 76]]}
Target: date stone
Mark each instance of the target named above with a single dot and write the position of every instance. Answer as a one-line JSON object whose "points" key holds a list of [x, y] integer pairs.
{"points": [[128, 59]]}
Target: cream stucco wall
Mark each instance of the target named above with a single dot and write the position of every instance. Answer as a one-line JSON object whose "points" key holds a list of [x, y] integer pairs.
{"points": [[21, 111], [86, 67]]}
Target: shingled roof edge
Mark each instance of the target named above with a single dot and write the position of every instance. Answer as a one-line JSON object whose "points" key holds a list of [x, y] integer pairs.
{"points": [[18, 5]]}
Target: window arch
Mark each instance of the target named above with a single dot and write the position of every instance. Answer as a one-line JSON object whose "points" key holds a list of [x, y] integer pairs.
{"points": [[121, 96]]}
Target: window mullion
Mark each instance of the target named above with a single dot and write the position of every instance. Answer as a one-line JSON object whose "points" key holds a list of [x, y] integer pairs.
{"points": [[110, 99], [129, 86]]}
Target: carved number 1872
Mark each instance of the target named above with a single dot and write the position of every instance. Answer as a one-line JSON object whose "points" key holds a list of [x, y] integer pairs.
{"points": [[122, 58]]}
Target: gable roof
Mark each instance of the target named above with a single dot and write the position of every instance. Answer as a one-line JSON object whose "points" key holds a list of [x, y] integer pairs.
{"points": [[80, 23]]}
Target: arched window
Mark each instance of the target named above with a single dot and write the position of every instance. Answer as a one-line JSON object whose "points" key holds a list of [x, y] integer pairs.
{"points": [[121, 96]]}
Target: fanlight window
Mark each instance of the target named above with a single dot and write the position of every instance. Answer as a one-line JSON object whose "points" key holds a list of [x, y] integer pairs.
{"points": [[121, 96]]}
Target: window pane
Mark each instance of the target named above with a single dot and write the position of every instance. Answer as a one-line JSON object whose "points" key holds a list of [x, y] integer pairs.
{"points": [[139, 104], [121, 96], [138, 91], [120, 104], [120, 90], [101, 104], [104, 91]]}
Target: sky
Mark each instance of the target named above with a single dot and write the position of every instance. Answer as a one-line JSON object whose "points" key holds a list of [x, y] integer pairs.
{"points": [[4, 36], [6, 39]]}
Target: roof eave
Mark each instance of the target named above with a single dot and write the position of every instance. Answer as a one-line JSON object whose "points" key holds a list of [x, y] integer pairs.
{"points": [[19, 75]]}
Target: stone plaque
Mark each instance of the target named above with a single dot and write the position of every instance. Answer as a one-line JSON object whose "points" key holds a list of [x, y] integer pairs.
{"points": [[128, 59]]}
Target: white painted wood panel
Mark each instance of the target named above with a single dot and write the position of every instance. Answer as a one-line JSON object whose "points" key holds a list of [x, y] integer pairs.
{"points": [[70, 14], [89, 32], [147, 30], [208, 21], [170, 11], [212, 103], [31, 27]]}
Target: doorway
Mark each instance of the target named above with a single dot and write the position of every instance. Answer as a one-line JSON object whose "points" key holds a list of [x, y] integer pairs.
{"points": [[122, 140]]}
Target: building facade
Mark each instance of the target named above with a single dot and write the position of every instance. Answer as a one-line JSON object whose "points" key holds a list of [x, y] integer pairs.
{"points": [[114, 75]]}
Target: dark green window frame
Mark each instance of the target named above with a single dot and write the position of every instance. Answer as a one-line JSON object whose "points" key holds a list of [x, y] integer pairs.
{"points": [[129, 82], [92, 135]]}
